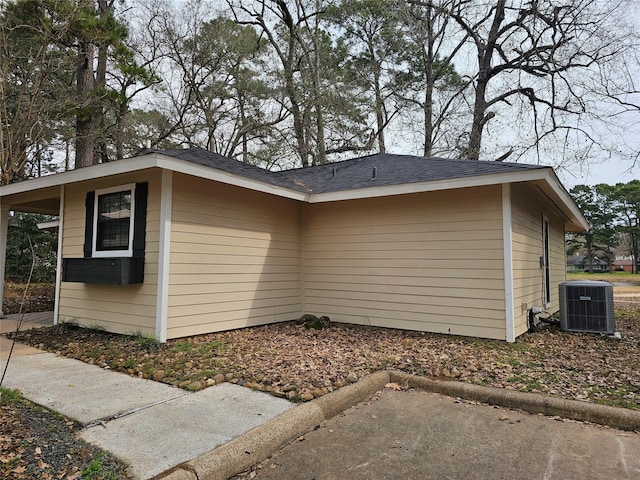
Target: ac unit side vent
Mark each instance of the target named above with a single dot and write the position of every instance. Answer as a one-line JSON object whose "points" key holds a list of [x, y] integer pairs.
{"points": [[587, 306]]}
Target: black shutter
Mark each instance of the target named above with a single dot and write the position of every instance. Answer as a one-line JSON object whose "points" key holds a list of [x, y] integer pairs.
{"points": [[140, 219], [88, 224]]}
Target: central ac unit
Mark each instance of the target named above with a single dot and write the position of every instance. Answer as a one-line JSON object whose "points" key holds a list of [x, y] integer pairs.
{"points": [[587, 306]]}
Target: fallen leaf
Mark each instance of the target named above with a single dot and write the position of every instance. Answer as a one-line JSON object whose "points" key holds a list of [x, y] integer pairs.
{"points": [[393, 386], [38, 451], [42, 465]]}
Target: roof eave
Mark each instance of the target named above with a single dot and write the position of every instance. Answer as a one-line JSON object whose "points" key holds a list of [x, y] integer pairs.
{"points": [[209, 173], [552, 186], [151, 160], [429, 186], [575, 221]]}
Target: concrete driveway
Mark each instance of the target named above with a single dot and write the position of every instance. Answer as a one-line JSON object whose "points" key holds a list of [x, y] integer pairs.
{"points": [[421, 435]]}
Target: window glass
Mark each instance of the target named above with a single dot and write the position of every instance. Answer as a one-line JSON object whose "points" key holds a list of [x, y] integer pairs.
{"points": [[114, 221]]}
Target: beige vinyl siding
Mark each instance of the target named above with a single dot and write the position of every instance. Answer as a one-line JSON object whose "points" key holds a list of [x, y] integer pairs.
{"points": [[558, 259], [427, 261], [121, 309], [235, 258], [527, 223]]}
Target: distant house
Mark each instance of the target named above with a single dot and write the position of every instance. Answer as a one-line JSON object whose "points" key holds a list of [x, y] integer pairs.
{"points": [[183, 242], [623, 264], [580, 263]]}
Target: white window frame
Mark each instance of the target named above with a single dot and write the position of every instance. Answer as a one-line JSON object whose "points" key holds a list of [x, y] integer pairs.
{"points": [[113, 253]]}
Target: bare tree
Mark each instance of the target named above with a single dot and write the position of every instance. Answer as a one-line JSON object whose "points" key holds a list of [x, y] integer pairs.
{"points": [[323, 109], [530, 52], [427, 79]]}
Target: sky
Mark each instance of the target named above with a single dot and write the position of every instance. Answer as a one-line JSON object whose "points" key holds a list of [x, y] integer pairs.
{"points": [[611, 172]]}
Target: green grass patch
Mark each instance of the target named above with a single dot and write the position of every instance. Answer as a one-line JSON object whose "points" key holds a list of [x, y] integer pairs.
{"points": [[96, 471], [605, 277], [186, 347], [9, 397]]}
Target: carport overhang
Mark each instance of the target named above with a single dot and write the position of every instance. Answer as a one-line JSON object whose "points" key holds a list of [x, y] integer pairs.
{"points": [[46, 201]]}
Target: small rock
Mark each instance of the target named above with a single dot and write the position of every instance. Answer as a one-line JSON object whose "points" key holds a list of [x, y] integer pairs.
{"points": [[228, 377], [352, 377], [455, 373], [278, 393], [158, 375], [291, 395], [194, 386], [339, 384], [317, 393], [219, 378], [210, 382], [289, 388], [307, 396], [445, 373]]}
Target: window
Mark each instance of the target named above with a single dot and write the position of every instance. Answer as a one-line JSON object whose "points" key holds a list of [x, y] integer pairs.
{"points": [[114, 213], [114, 237]]}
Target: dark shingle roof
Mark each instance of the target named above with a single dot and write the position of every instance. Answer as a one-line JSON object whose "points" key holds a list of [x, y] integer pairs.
{"points": [[390, 169]]}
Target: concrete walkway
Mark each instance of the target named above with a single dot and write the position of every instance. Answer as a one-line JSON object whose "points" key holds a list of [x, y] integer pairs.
{"points": [[149, 425]]}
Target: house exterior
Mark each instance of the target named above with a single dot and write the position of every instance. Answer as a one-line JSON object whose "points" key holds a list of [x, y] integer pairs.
{"points": [[580, 263], [184, 242], [623, 264]]}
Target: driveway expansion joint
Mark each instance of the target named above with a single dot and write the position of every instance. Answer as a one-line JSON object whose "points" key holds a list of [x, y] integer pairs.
{"points": [[103, 421]]}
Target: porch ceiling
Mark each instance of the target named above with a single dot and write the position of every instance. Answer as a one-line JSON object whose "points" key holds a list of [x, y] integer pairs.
{"points": [[44, 200]]}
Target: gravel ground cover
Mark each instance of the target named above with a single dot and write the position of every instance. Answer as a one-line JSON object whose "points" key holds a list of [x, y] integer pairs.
{"points": [[301, 363], [37, 443]]}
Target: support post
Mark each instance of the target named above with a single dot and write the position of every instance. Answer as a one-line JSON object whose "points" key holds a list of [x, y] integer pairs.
{"points": [[4, 225]]}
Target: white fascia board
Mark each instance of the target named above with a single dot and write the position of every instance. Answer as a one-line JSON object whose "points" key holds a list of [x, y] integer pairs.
{"points": [[202, 171], [144, 162], [430, 186], [80, 175], [566, 199]]}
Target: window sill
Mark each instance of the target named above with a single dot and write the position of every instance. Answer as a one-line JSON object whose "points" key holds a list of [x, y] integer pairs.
{"points": [[104, 271]]}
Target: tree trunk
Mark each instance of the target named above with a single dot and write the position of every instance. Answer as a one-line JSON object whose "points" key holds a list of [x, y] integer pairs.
{"points": [[321, 147], [485, 54], [479, 120], [428, 58], [379, 113], [85, 128]]}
